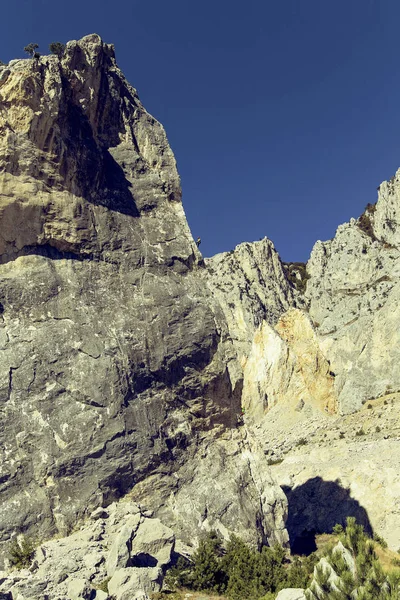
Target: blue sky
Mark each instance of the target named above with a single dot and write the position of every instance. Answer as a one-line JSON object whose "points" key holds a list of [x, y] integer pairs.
{"points": [[284, 115]]}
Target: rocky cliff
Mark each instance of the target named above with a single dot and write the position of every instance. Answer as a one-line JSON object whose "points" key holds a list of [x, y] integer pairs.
{"points": [[112, 368], [321, 384], [130, 367], [353, 294]]}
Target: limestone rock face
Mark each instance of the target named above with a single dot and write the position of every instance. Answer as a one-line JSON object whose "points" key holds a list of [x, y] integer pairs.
{"points": [[286, 365], [354, 299], [314, 375], [206, 489], [76, 567], [113, 364], [76, 141], [251, 287]]}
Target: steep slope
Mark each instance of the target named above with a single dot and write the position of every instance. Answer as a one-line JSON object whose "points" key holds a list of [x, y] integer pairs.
{"points": [[354, 299], [112, 367], [320, 384]]}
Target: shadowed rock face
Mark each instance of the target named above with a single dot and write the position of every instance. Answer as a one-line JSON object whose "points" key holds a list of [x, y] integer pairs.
{"points": [[316, 507], [112, 367]]}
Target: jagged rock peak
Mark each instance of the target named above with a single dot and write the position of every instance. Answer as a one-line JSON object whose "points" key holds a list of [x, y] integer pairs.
{"points": [[113, 366], [80, 158], [353, 294], [252, 286]]}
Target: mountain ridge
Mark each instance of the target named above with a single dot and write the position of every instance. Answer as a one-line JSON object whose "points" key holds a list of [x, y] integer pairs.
{"points": [[131, 367]]}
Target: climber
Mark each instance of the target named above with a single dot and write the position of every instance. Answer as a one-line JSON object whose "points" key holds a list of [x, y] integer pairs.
{"points": [[198, 242]]}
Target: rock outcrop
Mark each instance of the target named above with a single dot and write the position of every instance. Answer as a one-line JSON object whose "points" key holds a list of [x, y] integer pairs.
{"points": [[251, 287], [331, 467], [336, 354], [120, 552], [114, 361], [354, 298], [286, 365], [132, 367]]}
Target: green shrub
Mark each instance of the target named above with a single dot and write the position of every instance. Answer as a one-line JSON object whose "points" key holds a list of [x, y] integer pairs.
{"points": [[103, 586], [366, 582], [380, 540], [296, 273], [338, 529], [180, 575], [57, 48], [20, 552], [300, 571], [396, 562], [239, 571], [207, 573], [240, 567], [365, 223]]}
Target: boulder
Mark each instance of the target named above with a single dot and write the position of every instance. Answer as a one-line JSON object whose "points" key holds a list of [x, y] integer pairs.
{"points": [[291, 594], [80, 589], [119, 556], [135, 583], [152, 545]]}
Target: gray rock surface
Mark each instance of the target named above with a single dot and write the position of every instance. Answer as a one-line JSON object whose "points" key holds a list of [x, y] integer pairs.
{"points": [[134, 584], [291, 594], [79, 589], [126, 360], [354, 298], [334, 466], [337, 355], [75, 567], [113, 358], [250, 285], [206, 491], [120, 552]]}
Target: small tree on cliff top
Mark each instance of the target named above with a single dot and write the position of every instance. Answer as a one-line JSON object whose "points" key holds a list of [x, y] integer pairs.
{"points": [[31, 50]]}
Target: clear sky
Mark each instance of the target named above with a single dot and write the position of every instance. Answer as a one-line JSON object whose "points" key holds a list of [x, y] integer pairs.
{"points": [[284, 115]]}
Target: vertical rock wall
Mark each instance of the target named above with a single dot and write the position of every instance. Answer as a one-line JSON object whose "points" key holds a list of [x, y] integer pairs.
{"points": [[112, 369]]}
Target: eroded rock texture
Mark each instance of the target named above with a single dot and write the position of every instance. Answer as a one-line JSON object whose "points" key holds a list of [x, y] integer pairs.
{"points": [[126, 360], [320, 384], [112, 367], [286, 365], [122, 550], [354, 299], [250, 287]]}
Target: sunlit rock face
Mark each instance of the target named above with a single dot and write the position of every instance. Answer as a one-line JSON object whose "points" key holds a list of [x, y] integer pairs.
{"points": [[251, 287], [130, 365], [346, 328], [112, 366], [286, 365], [75, 143], [354, 299], [321, 385]]}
